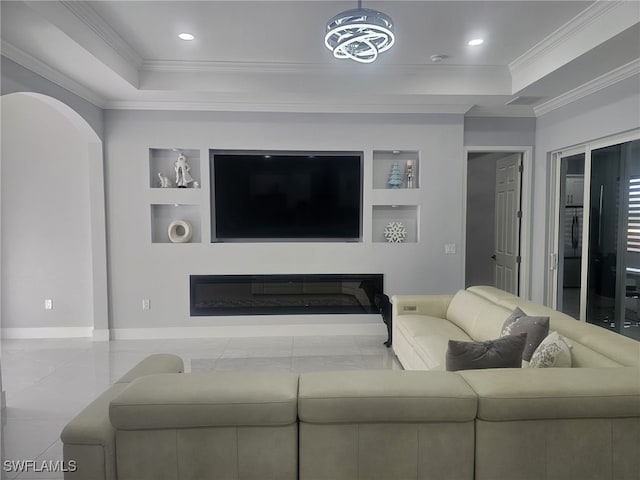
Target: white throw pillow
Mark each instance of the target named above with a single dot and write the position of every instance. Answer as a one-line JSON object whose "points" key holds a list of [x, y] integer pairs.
{"points": [[553, 351]]}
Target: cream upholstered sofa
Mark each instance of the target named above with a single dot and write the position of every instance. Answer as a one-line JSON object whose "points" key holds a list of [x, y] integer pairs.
{"points": [[499, 424], [423, 324], [561, 423], [391, 425]]}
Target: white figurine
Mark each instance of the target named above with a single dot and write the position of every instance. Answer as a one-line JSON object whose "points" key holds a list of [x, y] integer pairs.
{"points": [[183, 178], [408, 173], [164, 181]]}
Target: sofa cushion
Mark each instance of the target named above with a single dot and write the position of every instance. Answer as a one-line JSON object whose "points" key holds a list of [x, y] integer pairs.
{"points": [[536, 328], [420, 325], [464, 309], [549, 393], [592, 346], [206, 400], [554, 351], [384, 396], [504, 352], [432, 349], [428, 337], [477, 316]]}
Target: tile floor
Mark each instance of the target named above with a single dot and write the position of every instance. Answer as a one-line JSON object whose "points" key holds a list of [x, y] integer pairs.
{"points": [[47, 382]]}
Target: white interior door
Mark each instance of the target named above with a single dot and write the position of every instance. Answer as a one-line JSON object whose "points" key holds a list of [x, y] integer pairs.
{"points": [[507, 223]]}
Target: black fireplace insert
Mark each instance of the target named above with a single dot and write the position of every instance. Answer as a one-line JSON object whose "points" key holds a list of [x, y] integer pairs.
{"points": [[284, 294]]}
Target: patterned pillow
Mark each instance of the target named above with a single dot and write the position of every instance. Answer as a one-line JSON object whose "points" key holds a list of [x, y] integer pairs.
{"points": [[536, 328], [504, 352], [554, 351]]}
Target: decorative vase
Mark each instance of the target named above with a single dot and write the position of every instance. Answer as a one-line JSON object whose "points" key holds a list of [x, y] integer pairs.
{"points": [[180, 231]]}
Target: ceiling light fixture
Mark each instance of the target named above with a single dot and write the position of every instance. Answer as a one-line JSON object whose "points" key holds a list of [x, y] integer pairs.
{"points": [[475, 42], [186, 36], [438, 58], [359, 34]]}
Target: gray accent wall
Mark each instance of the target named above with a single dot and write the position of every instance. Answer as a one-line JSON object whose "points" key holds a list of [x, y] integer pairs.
{"points": [[499, 131], [610, 111], [140, 269], [46, 218], [16, 78]]}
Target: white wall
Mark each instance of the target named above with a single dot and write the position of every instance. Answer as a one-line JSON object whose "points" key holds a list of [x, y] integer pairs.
{"points": [[499, 131], [16, 78], [160, 272], [46, 227], [610, 111]]}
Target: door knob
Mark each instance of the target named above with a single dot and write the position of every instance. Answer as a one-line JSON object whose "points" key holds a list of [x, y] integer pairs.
{"points": [[493, 257]]}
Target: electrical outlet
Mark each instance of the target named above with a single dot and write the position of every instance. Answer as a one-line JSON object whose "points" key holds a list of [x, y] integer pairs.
{"points": [[146, 305], [48, 304]]}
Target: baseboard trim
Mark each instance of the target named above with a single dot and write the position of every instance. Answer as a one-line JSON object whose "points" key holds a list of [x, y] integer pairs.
{"points": [[249, 331], [101, 335], [47, 332]]}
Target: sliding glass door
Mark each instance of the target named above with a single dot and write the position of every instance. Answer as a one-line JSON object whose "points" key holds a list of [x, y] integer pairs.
{"points": [[597, 246], [571, 221]]}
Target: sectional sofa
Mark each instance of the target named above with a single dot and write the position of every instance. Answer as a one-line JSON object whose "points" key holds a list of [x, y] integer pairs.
{"points": [[563, 423], [497, 424]]}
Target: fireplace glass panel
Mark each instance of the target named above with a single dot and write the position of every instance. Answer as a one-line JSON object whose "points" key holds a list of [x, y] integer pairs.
{"points": [[284, 294]]}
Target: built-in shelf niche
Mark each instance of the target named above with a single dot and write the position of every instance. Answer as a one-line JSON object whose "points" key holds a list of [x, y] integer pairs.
{"points": [[406, 214], [162, 215], [383, 162], [162, 160]]}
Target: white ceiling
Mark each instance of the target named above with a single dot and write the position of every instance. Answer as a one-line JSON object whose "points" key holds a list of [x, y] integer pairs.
{"points": [[270, 56]]}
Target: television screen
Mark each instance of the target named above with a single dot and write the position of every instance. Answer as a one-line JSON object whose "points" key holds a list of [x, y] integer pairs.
{"points": [[286, 196]]}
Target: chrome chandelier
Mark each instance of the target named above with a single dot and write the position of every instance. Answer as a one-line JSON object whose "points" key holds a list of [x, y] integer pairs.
{"points": [[359, 34]]}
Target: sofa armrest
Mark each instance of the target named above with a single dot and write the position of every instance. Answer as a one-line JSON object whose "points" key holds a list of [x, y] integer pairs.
{"points": [[555, 393], [89, 440], [432, 305]]}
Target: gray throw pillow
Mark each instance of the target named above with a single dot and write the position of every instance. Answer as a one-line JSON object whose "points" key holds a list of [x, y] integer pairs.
{"points": [[536, 328], [504, 352]]}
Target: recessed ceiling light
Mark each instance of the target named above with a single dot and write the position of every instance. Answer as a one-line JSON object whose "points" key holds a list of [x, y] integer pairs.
{"points": [[475, 42], [438, 58], [186, 36]]}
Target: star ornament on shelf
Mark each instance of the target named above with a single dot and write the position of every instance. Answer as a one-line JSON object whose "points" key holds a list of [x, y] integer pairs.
{"points": [[395, 232]]}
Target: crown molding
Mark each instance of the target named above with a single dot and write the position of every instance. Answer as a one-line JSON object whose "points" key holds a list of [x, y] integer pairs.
{"points": [[39, 67], [190, 66], [289, 107], [578, 23], [610, 78], [512, 111], [84, 12]]}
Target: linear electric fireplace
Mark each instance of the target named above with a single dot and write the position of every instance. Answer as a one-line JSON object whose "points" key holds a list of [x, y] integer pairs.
{"points": [[284, 294]]}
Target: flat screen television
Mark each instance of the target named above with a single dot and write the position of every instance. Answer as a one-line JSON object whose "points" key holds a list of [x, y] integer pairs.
{"points": [[286, 196]]}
